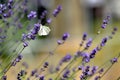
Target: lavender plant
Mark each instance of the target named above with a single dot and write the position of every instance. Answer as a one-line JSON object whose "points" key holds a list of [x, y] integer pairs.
{"points": [[19, 26]]}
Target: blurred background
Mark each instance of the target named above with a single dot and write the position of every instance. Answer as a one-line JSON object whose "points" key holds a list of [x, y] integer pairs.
{"points": [[76, 17]]}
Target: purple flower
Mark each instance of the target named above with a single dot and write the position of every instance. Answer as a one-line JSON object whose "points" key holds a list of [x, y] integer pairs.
{"points": [[65, 36], [19, 57], [56, 11], [92, 54], [82, 77], [88, 44], [94, 69], [41, 77], [33, 72], [49, 20], [24, 37], [101, 71], [84, 36], [35, 29], [10, 1], [79, 53], [60, 42], [103, 42], [25, 44], [31, 35], [105, 22], [86, 70], [114, 60], [5, 15], [86, 57], [4, 77], [66, 58], [80, 67], [32, 15], [46, 64], [17, 60], [66, 74]]}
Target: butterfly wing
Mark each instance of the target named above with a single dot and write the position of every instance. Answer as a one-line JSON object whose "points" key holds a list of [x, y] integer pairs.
{"points": [[44, 30]]}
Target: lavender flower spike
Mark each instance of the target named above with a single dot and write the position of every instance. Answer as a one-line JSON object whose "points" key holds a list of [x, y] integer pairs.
{"points": [[104, 40], [105, 22], [88, 44], [66, 58], [56, 11]]}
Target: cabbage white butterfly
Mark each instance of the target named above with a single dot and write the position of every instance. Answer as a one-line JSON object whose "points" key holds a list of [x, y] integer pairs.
{"points": [[44, 30]]}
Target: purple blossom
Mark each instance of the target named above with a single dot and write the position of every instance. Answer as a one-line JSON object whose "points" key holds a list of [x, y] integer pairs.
{"points": [[9, 6], [105, 22], [35, 29], [10, 1], [97, 78], [25, 44], [33, 72], [32, 15], [31, 35], [46, 64], [86, 70], [114, 60], [23, 37], [79, 53], [103, 42], [82, 77], [66, 58], [94, 69], [84, 36], [86, 57], [80, 67], [92, 54], [60, 42], [41, 77], [88, 44], [66, 74], [49, 20], [65, 36], [101, 71], [4, 77], [57, 10], [18, 59]]}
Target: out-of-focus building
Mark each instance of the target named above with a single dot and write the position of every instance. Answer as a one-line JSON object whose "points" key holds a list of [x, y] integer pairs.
{"points": [[93, 10]]}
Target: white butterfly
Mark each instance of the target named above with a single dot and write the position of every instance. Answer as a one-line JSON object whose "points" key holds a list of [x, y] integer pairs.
{"points": [[44, 30]]}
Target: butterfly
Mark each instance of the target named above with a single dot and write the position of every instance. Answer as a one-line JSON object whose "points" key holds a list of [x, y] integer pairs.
{"points": [[44, 30]]}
